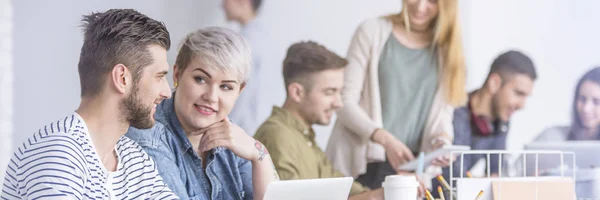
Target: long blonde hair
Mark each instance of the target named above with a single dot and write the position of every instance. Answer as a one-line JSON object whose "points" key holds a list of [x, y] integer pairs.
{"points": [[448, 42]]}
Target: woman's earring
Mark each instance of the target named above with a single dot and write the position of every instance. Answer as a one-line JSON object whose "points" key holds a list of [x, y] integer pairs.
{"points": [[175, 84]]}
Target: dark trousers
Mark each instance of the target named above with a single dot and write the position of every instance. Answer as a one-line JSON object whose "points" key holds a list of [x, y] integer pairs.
{"points": [[376, 173]]}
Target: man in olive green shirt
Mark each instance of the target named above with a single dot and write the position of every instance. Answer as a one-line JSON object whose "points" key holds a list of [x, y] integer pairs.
{"points": [[314, 78]]}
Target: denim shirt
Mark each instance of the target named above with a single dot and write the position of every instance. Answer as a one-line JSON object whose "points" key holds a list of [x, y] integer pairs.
{"points": [[227, 175]]}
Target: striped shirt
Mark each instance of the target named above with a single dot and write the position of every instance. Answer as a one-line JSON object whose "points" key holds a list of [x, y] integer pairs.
{"points": [[60, 161]]}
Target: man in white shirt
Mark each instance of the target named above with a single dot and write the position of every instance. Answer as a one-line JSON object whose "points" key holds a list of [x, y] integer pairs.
{"points": [[85, 155]]}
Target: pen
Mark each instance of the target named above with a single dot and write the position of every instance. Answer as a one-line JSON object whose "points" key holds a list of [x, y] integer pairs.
{"points": [[441, 179], [428, 195], [441, 192], [479, 195]]}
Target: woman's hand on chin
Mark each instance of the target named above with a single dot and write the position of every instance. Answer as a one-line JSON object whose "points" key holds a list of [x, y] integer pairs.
{"points": [[234, 138]]}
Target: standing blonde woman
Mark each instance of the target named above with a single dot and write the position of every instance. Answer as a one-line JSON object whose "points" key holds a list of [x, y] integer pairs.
{"points": [[405, 75]]}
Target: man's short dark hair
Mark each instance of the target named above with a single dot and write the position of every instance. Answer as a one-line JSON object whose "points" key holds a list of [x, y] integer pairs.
{"points": [[305, 58], [117, 36], [256, 4], [511, 63]]}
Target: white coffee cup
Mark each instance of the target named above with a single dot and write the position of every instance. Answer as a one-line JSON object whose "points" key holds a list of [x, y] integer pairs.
{"points": [[400, 187]]}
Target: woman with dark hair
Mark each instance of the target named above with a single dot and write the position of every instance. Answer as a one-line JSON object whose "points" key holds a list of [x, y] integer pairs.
{"points": [[586, 112]]}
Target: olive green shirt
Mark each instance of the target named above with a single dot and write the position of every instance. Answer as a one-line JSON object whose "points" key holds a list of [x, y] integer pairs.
{"points": [[294, 150]]}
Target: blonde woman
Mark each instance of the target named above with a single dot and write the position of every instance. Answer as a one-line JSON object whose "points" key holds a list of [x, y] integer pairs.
{"points": [[201, 153], [405, 75]]}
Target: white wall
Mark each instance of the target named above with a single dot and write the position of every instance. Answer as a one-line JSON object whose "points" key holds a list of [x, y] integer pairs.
{"points": [[48, 39], [560, 35], [47, 42], [5, 84]]}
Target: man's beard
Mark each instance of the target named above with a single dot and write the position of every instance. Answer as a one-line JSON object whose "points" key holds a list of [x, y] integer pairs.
{"points": [[135, 112]]}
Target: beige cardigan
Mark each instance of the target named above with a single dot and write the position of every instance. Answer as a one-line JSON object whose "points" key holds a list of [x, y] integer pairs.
{"points": [[350, 146]]}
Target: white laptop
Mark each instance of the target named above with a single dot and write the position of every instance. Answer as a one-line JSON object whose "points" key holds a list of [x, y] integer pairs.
{"points": [[586, 155], [312, 189]]}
